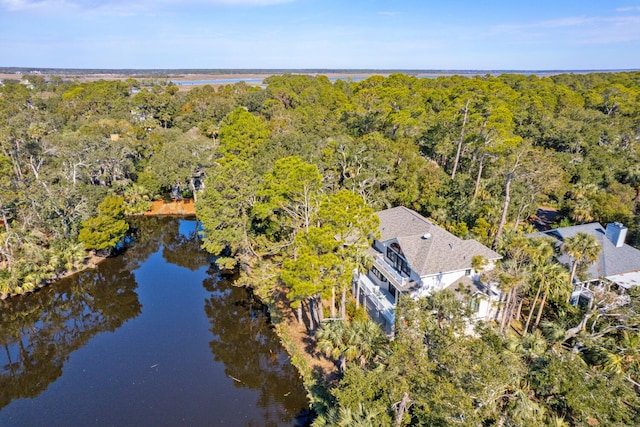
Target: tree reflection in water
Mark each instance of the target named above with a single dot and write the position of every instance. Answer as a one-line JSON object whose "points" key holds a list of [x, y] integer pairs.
{"points": [[245, 342], [38, 332]]}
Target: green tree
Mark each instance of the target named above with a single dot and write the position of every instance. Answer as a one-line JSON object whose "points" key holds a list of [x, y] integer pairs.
{"points": [[241, 133], [353, 225], [105, 231], [290, 195], [224, 211], [179, 160], [583, 249], [551, 278], [363, 342]]}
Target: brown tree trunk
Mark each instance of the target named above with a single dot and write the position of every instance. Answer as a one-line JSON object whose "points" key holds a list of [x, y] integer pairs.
{"points": [[574, 267], [539, 315], [333, 301], [533, 307], [401, 408], [572, 332], [192, 184], [299, 314], [319, 310], [505, 209], [477, 187], [460, 141], [514, 299], [519, 312], [312, 314], [4, 220], [507, 310]]}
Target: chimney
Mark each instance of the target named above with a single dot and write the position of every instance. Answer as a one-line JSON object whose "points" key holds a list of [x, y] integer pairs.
{"points": [[616, 232]]}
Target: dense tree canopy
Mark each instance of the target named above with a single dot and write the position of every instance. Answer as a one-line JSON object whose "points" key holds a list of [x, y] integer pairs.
{"points": [[287, 178]]}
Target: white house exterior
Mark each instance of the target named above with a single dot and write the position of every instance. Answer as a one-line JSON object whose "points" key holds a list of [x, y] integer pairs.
{"points": [[618, 262], [417, 257]]}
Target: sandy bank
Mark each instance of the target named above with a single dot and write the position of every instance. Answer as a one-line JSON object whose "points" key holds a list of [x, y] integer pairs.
{"points": [[182, 207]]}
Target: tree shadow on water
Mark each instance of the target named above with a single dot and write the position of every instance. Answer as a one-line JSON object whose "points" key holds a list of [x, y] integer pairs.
{"points": [[244, 341]]}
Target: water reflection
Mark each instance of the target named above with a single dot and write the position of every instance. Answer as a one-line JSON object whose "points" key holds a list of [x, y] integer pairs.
{"points": [[38, 332], [168, 360], [247, 346]]}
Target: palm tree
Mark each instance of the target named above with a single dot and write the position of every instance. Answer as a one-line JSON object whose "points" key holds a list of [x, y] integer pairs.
{"points": [[513, 278], [624, 356], [583, 248], [66, 255], [551, 277], [331, 340], [524, 410], [540, 252], [581, 204], [346, 417], [369, 340], [362, 341]]}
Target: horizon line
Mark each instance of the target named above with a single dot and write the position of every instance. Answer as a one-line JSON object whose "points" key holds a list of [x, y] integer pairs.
{"points": [[315, 70]]}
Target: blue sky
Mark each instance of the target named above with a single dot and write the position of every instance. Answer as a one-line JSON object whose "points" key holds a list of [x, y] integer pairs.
{"points": [[327, 34]]}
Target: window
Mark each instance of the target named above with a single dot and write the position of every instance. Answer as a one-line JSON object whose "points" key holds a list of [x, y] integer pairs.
{"points": [[404, 267], [396, 247], [474, 304], [392, 290], [467, 272], [398, 261], [379, 275]]}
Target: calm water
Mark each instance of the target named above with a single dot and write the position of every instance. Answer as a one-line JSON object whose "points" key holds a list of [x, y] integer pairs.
{"points": [[214, 81], [153, 337], [250, 81], [359, 78]]}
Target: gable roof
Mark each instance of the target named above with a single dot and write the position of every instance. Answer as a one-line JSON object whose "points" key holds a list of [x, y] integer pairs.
{"points": [[429, 248], [613, 261]]}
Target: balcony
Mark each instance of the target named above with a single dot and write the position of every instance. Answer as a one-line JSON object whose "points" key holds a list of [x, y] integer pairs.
{"points": [[398, 280], [378, 301]]}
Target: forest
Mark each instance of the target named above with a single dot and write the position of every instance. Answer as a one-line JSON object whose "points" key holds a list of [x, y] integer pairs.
{"points": [[286, 179]]}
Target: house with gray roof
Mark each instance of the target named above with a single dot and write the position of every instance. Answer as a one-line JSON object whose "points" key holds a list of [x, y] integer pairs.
{"points": [[414, 256], [618, 262]]}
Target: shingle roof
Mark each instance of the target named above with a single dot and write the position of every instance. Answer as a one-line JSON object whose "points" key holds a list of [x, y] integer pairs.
{"points": [[613, 261], [428, 248]]}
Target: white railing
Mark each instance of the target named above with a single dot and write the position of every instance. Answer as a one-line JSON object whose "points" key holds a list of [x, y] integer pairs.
{"points": [[379, 298], [390, 272]]}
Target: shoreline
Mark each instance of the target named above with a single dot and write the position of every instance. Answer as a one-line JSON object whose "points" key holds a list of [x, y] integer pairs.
{"points": [[290, 332], [91, 261], [316, 371], [184, 207], [16, 73]]}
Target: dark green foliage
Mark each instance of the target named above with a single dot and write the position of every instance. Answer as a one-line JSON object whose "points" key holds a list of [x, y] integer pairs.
{"points": [[104, 231], [292, 174]]}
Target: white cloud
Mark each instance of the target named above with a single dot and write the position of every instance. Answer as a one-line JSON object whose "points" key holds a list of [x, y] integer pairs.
{"points": [[628, 9]]}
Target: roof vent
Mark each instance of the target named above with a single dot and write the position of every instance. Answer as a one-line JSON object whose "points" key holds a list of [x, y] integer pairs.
{"points": [[426, 236]]}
